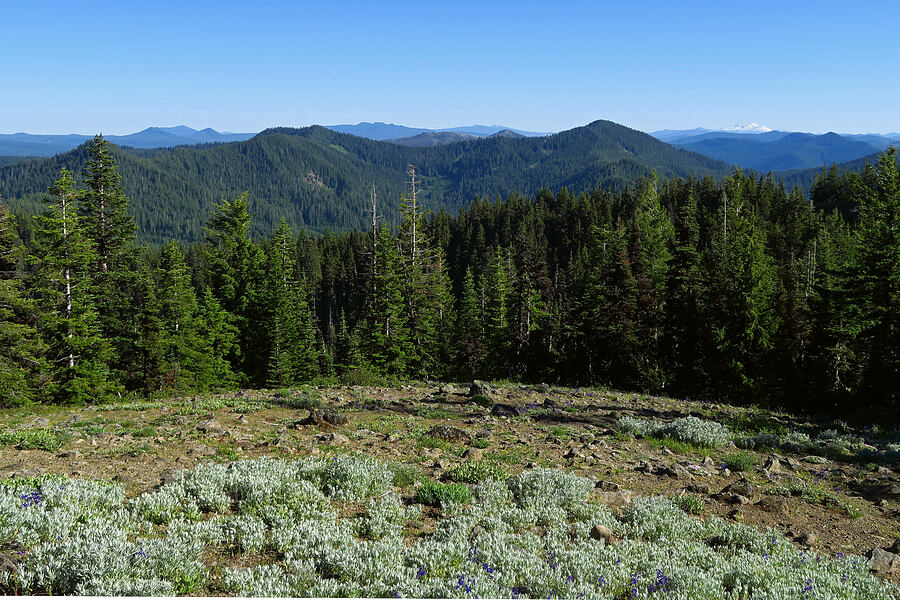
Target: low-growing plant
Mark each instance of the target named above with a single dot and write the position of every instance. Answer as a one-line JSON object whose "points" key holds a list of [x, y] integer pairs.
{"points": [[434, 413], [740, 461], [481, 442], [692, 505], [691, 430], [433, 493], [482, 400], [474, 472], [49, 440]]}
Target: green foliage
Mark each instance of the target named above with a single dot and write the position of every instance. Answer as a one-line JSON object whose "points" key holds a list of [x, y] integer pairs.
{"points": [[48, 440], [741, 461], [433, 493], [474, 472], [692, 505]]}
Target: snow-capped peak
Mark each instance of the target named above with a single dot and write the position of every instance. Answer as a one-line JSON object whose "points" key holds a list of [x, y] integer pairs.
{"points": [[747, 128]]}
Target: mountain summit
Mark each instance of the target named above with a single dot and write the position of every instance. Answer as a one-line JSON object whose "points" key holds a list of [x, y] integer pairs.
{"points": [[748, 128]]}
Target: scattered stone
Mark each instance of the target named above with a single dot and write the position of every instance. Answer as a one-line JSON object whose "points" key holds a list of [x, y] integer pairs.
{"points": [[69, 454], [882, 561], [645, 467], [617, 498], [815, 460], [773, 465], [325, 418], [449, 433], [708, 462], [742, 488], [76, 418], [210, 426], [680, 472], [884, 471], [40, 422], [896, 547], [441, 463], [542, 388], [608, 486], [474, 454], [447, 389], [504, 410], [548, 403], [774, 504], [807, 539], [242, 419], [793, 463], [333, 438], [698, 488], [734, 499], [602, 532], [29, 472], [726, 472], [201, 450], [573, 453], [531, 465], [479, 388], [169, 476]]}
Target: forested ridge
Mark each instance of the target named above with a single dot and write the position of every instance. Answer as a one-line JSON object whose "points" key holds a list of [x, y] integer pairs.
{"points": [[735, 290], [319, 179]]}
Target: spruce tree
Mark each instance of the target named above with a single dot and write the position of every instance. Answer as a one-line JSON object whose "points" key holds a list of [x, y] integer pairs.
{"points": [[218, 337], [387, 339], [496, 313], [470, 331], [78, 353]]}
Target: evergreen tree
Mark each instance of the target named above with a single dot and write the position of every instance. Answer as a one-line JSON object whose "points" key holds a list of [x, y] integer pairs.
{"points": [[292, 344], [496, 313], [21, 349], [470, 330], [684, 289], [218, 336], [235, 264], [78, 353], [387, 340]]}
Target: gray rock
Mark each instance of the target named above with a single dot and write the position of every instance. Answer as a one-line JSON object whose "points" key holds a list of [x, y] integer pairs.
{"points": [[504, 410], [775, 504], [479, 388], [69, 454], [474, 454], [210, 426], [618, 498], [680, 472], [815, 460], [608, 486], [698, 488], [773, 465], [449, 433], [201, 450], [333, 438], [807, 539], [325, 418], [40, 422], [742, 488], [882, 561], [734, 499]]}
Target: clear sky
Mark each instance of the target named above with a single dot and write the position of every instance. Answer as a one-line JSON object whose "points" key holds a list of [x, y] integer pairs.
{"points": [[118, 67]]}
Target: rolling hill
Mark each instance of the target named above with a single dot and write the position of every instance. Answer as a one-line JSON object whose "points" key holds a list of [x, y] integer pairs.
{"points": [[321, 179]]}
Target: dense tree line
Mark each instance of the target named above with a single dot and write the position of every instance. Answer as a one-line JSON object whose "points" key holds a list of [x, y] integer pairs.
{"points": [[735, 290]]}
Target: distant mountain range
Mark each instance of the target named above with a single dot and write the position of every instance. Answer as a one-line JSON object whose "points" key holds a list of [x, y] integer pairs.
{"points": [[755, 147], [27, 144], [320, 179], [389, 131]]}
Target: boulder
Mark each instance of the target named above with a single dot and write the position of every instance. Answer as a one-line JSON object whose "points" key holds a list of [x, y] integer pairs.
{"points": [[617, 498], [210, 426], [504, 410], [449, 433], [479, 388], [602, 532], [775, 504], [884, 562], [325, 418], [742, 488], [773, 465]]}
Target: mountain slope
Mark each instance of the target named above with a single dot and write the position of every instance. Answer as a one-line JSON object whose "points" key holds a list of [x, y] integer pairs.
{"points": [[432, 138], [320, 179]]}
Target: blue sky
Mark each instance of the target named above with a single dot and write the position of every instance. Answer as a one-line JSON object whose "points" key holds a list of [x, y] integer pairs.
{"points": [[118, 67]]}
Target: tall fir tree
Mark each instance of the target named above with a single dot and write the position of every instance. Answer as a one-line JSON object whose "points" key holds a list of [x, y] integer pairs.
{"points": [[387, 336], [236, 273], [292, 344], [470, 331], [78, 353]]}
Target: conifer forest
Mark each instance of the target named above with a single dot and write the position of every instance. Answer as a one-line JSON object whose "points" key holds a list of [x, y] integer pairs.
{"points": [[735, 289]]}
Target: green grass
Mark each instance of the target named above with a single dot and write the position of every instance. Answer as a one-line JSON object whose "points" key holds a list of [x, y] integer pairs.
{"points": [[509, 457], [676, 446], [563, 433], [475, 472], [741, 461], [752, 423], [426, 441], [48, 440], [481, 443], [433, 493], [482, 400], [406, 475], [434, 413]]}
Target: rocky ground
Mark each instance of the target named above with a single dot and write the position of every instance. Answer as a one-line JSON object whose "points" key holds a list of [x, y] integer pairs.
{"points": [[827, 505]]}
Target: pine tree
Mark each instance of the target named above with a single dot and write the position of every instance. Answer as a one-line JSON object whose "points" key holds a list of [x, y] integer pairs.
{"points": [[78, 353], [21, 349]]}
